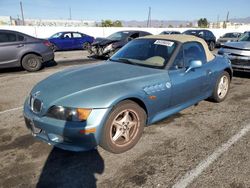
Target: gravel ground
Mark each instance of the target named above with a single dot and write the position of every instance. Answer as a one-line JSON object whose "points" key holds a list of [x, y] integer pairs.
{"points": [[167, 150]]}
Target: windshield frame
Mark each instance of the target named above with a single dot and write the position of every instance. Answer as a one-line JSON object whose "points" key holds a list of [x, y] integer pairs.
{"points": [[165, 66]]}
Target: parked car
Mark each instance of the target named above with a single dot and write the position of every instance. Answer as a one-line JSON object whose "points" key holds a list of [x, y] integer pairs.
{"points": [[70, 40], [109, 104], [170, 32], [21, 50], [228, 37], [207, 35], [108, 46], [238, 53]]}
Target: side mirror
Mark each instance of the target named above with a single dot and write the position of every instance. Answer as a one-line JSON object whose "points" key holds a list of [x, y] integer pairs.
{"points": [[194, 64]]}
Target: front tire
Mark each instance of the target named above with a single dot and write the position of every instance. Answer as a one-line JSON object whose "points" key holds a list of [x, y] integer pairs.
{"points": [[123, 127], [32, 62], [86, 46], [221, 88]]}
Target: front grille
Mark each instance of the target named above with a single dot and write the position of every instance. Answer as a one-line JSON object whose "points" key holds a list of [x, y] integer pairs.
{"points": [[240, 62], [35, 104]]}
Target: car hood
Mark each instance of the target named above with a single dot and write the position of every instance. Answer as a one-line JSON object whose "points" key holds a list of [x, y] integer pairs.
{"points": [[91, 80], [226, 39], [103, 41], [238, 45]]}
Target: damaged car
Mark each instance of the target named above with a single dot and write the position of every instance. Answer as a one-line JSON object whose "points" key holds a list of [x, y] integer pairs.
{"points": [[238, 53], [108, 46]]}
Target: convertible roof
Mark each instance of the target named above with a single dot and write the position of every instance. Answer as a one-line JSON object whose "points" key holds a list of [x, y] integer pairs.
{"points": [[183, 39]]}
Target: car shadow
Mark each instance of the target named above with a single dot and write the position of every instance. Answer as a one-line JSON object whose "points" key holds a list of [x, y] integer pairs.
{"points": [[20, 69], [49, 64], [11, 70], [241, 74], [71, 169], [98, 57]]}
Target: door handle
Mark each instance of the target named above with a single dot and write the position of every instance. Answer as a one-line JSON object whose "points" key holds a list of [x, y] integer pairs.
{"points": [[209, 72], [20, 45]]}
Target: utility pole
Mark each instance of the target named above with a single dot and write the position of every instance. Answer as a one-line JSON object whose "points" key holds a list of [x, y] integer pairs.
{"points": [[21, 6], [149, 17], [227, 20], [218, 19], [70, 13]]}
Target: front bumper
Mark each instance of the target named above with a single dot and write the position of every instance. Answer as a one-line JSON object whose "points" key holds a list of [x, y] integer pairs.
{"points": [[240, 63], [100, 50], [66, 135]]}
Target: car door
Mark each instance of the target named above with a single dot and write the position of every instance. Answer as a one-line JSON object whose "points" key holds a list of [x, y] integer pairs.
{"points": [[10, 45], [78, 40], [67, 41], [188, 87]]}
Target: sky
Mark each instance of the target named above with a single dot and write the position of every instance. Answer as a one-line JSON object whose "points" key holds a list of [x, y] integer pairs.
{"points": [[127, 9]]}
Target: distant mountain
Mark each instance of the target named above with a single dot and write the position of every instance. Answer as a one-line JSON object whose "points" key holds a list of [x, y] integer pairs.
{"points": [[175, 23], [241, 20], [158, 23]]}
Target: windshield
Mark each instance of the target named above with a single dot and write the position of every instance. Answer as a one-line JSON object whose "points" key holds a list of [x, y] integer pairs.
{"points": [[245, 37], [118, 35], [146, 52], [191, 32], [57, 35], [231, 35]]}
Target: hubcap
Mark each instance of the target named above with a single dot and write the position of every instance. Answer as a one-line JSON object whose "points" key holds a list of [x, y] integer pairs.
{"points": [[124, 127], [223, 87], [32, 62]]}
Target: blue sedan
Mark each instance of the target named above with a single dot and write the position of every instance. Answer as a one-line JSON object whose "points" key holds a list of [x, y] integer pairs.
{"points": [[70, 40], [110, 103]]}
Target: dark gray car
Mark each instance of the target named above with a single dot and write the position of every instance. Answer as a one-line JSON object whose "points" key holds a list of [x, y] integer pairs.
{"points": [[110, 45], [21, 50]]}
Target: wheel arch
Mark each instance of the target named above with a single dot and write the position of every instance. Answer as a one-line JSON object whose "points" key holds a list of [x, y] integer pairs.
{"points": [[138, 101], [229, 71]]}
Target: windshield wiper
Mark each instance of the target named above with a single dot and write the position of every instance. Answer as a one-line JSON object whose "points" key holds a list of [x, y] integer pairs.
{"points": [[124, 60]]}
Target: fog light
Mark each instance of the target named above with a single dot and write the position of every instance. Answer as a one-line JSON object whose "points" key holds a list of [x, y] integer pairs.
{"points": [[55, 138]]}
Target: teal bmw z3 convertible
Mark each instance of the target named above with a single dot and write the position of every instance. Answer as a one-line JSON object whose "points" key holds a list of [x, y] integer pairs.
{"points": [[109, 103]]}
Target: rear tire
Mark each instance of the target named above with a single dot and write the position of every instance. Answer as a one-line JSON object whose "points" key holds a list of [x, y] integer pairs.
{"points": [[32, 62], [123, 128], [221, 88], [211, 46]]}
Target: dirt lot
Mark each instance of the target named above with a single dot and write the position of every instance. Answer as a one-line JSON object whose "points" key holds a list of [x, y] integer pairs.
{"points": [[167, 151]]}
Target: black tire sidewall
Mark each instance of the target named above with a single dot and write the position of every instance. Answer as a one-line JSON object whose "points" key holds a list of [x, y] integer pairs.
{"points": [[213, 46], [106, 142], [27, 67]]}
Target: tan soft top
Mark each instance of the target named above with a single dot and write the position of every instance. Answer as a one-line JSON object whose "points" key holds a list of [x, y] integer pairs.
{"points": [[183, 39]]}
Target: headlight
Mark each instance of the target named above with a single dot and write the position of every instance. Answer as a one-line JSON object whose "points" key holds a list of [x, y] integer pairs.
{"points": [[68, 114], [108, 48]]}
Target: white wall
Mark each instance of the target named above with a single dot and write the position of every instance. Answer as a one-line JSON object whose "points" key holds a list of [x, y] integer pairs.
{"points": [[45, 32]]}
